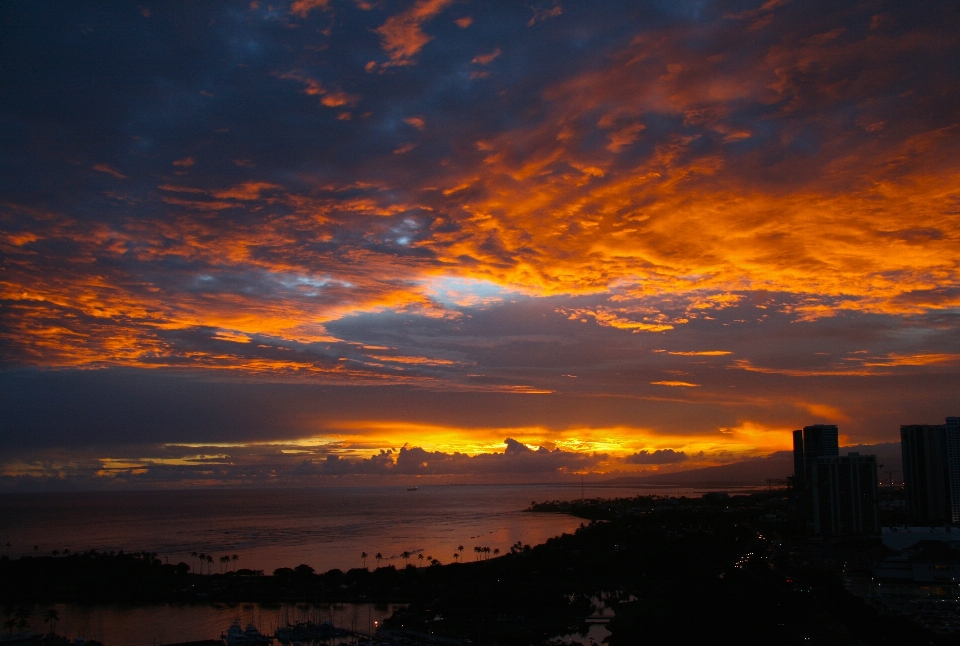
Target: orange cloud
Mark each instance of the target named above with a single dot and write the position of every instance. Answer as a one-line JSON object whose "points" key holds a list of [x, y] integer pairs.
{"points": [[544, 14], [486, 59], [612, 319], [103, 168], [402, 36], [745, 364], [303, 7], [580, 202], [894, 359], [675, 384], [328, 98]]}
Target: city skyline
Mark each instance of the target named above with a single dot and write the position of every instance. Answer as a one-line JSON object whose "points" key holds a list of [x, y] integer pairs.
{"points": [[254, 243]]}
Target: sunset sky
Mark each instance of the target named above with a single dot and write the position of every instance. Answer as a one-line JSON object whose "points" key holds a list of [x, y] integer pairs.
{"points": [[340, 240]]}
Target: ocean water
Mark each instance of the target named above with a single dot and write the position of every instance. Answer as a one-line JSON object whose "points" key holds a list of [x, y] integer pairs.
{"points": [[321, 527], [157, 624], [267, 529]]}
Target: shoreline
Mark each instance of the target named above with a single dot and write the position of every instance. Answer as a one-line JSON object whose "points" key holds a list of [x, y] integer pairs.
{"points": [[744, 561]]}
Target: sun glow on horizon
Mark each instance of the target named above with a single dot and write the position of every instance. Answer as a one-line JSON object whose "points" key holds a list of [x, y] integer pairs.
{"points": [[690, 234]]}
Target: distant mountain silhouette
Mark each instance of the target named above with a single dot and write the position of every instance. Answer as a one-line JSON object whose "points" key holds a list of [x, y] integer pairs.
{"points": [[756, 471]]}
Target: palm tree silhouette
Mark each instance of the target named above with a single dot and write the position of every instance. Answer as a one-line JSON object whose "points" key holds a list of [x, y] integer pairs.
{"points": [[209, 561], [364, 555], [51, 619], [223, 562], [193, 555], [234, 558], [420, 557], [406, 558], [20, 618], [476, 550], [496, 551], [460, 549], [455, 556], [379, 558]]}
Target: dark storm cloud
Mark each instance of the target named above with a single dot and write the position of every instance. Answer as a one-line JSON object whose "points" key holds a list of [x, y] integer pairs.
{"points": [[516, 458], [660, 456]]}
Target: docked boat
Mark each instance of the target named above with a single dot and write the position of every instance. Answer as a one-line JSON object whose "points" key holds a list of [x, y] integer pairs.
{"points": [[308, 632], [249, 636]]}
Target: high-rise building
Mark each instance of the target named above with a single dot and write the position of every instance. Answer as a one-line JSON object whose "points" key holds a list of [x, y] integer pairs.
{"points": [[931, 471], [953, 466], [813, 442], [926, 473], [819, 440], [843, 494], [799, 468]]}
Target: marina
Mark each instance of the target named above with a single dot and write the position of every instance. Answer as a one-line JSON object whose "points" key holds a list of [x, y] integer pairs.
{"points": [[247, 624]]}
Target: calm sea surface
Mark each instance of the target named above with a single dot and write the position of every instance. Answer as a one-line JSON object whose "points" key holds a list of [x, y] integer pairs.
{"points": [[322, 527], [153, 625]]}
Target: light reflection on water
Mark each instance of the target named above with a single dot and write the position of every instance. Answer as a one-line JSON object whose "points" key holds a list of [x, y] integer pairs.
{"points": [[152, 625], [323, 527]]}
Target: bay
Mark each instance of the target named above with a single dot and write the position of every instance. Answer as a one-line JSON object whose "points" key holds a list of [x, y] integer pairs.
{"points": [[156, 624], [328, 527], [324, 528]]}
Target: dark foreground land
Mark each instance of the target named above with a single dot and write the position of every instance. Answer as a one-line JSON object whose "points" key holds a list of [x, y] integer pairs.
{"points": [[672, 571]]}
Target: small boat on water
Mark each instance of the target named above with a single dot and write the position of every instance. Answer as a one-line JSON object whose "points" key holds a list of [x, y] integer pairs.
{"points": [[237, 636], [411, 488], [308, 632]]}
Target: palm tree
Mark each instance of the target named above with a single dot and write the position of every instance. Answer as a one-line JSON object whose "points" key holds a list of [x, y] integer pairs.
{"points": [[223, 564], [209, 562], [379, 558], [476, 550], [234, 558], [364, 555], [51, 619], [486, 551], [203, 559], [406, 558], [460, 549], [455, 556], [193, 555], [496, 551], [420, 557], [20, 618]]}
